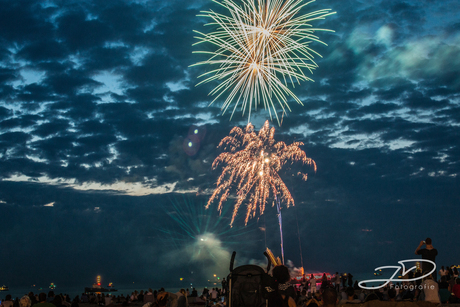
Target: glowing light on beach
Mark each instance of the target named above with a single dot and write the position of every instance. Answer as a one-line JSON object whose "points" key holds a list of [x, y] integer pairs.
{"points": [[261, 47], [248, 172], [198, 230]]}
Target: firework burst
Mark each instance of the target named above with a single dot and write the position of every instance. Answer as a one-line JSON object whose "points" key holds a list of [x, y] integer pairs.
{"points": [[252, 165], [261, 46]]}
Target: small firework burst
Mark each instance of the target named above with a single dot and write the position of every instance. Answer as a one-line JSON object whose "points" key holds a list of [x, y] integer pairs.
{"points": [[252, 162]]}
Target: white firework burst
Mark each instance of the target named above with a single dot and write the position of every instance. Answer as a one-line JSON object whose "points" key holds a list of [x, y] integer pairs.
{"points": [[260, 47]]}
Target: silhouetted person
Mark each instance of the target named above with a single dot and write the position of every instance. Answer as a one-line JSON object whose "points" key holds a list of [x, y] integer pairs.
{"points": [[75, 302], [427, 253], [57, 301], [392, 294], [329, 296], [351, 298], [350, 280], [281, 291], [337, 282], [194, 293], [50, 296], [8, 302], [42, 301], [33, 299]]}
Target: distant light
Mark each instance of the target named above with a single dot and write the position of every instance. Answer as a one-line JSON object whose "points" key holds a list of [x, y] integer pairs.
{"points": [[267, 160], [195, 131], [181, 278], [190, 144], [261, 173]]}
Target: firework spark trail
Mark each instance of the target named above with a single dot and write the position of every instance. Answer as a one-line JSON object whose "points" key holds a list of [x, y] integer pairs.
{"points": [[260, 49], [252, 162], [189, 222]]}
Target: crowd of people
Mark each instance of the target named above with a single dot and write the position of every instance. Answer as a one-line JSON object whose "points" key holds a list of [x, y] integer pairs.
{"points": [[444, 290], [148, 298], [310, 292]]}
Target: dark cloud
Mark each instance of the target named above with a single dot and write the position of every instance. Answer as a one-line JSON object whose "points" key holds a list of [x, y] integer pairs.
{"points": [[47, 49], [4, 112], [80, 32], [417, 100], [69, 82], [22, 22], [155, 68], [378, 108], [103, 58]]}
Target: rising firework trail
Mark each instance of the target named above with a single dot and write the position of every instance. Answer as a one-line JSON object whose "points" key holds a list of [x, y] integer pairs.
{"points": [[252, 162], [260, 47]]}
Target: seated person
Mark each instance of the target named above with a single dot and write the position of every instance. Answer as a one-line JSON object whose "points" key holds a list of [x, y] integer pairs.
{"points": [[431, 290], [392, 295], [455, 289], [351, 297]]}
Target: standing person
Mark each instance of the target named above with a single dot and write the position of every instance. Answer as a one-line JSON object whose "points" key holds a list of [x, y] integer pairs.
{"points": [[337, 282], [427, 253], [449, 273], [224, 286], [312, 284], [344, 280], [350, 280], [442, 272], [455, 272]]}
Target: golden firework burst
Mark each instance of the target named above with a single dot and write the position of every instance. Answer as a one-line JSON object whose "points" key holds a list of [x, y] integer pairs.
{"points": [[252, 162]]}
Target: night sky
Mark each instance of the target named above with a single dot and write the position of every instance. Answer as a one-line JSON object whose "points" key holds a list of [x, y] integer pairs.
{"points": [[97, 99]]}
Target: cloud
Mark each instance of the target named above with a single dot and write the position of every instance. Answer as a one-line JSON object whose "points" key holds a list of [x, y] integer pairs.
{"points": [[49, 204], [119, 187]]}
